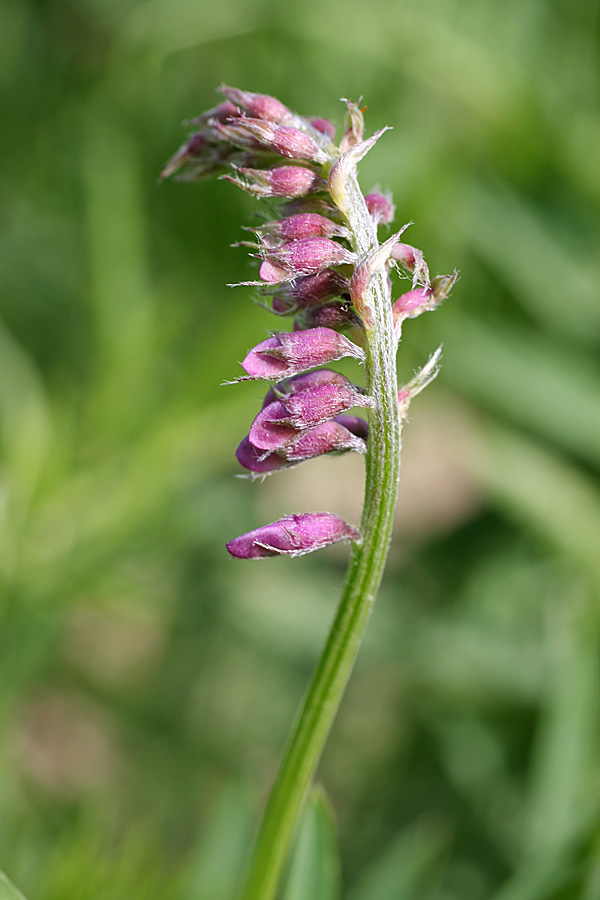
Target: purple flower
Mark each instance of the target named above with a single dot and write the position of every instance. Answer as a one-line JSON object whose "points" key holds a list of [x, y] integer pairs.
{"points": [[260, 106], [293, 536], [423, 299], [302, 225], [281, 181], [280, 421], [413, 303], [381, 209], [258, 460], [329, 315], [325, 127], [288, 353], [310, 290], [303, 382], [280, 139], [328, 437], [304, 257]]}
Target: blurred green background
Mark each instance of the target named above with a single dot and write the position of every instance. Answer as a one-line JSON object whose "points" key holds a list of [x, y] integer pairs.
{"points": [[147, 680]]}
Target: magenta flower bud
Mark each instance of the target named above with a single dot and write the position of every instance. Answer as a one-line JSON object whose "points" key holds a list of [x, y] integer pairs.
{"points": [[281, 139], [257, 460], [381, 209], [282, 307], [293, 536], [413, 303], [325, 127], [282, 181], [329, 437], [279, 422], [329, 315], [308, 256], [260, 106], [303, 382], [302, 225], [310, 290], [420, 300], [289, 353], [412, 260], [234, 133], [273, 272]]}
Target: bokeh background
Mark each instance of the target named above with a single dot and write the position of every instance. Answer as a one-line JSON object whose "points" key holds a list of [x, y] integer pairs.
{"points": [[147, 680]]}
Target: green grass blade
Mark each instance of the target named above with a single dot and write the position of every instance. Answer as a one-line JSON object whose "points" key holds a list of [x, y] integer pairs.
{"points": [[314, 870], [7, 889]]}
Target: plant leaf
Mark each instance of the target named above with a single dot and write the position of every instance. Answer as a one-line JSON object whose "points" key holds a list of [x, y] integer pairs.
{"points": [[314, 870], [7, 889]]}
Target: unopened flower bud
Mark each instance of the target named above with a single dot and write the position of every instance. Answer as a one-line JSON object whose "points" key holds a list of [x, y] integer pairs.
{"points": [[421, 300], [280, 421], [256, 460], [413, 303], [280, 139], [381, 209], [328, 315], [303, 382], [305, 257], [329, 437], [324, 126], [311, 290], [273, 272], [289, 353], [282, 181], [260, 106], [301, 226], [293, 536], [235, 133]]}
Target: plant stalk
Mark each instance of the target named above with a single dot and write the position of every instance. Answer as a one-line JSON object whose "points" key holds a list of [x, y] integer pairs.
{"points": [[365, 571]]}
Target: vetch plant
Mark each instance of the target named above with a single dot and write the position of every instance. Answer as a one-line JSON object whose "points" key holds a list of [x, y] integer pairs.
{"points": [[321, 262]]}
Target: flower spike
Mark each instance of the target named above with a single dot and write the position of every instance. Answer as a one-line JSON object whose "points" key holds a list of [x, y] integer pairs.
{"points": [[321, 262]]}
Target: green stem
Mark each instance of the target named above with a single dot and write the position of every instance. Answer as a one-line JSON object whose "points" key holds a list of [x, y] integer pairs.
{"points": [[365, 571]]}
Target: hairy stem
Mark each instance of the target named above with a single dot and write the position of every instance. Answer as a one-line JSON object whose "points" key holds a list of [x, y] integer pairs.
{"points": [[365, 571]]}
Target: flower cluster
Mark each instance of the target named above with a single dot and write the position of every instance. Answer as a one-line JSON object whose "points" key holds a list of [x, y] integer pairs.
{"points": [[313, 266]]}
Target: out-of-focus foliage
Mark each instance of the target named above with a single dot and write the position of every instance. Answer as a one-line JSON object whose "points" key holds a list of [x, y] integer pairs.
{"points": [[147, 681]]}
